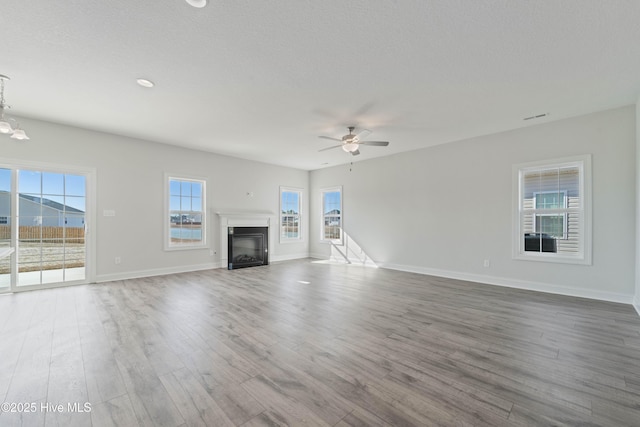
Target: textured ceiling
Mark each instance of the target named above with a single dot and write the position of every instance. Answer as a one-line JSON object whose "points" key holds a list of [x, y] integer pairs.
{"points": [[262, 79]]}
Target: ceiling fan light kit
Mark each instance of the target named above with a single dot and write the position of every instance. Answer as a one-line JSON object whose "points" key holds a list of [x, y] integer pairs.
{"points": [[19, 134], [5, 125], [145, 83], [197, 3], [351, 142], [350, 147]]}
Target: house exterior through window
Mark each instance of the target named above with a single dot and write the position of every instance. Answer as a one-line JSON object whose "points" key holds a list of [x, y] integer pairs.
{"points": [[290, 221], [331, 215], [552, 224]]}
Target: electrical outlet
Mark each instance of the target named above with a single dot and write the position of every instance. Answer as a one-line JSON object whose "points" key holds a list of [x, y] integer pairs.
{"points": [[487, 263], [118, 260], [211, 252]]}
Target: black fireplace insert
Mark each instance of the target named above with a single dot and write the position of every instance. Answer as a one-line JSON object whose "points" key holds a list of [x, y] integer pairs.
{"points": [[248, 247]]}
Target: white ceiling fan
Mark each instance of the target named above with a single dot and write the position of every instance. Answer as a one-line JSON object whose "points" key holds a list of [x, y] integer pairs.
{"points": [[351, 142]]}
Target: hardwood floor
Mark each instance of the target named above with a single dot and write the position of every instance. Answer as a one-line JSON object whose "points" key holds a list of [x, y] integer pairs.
{"points": [[302, 343]]}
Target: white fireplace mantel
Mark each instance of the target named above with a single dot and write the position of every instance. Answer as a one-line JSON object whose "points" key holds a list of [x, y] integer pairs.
{"points": [[244, 219]]}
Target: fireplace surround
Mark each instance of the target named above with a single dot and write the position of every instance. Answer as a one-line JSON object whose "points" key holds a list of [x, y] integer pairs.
{"points": [[240, 220]]}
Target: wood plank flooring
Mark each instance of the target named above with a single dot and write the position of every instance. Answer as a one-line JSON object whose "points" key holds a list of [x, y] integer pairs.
{"points": [[303, 343]]}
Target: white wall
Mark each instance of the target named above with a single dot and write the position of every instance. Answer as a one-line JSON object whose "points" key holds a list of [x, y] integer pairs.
{"points": [[636, 301], [130, 180], [443, 210]]}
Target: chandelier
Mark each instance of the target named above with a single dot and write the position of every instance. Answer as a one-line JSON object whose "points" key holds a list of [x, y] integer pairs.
{"points": [[5, 127]]}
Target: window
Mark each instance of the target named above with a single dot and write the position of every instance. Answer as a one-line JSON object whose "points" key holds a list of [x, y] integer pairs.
{"points": [[290, 226], [553, 210], [186, 213], [332, 215]]}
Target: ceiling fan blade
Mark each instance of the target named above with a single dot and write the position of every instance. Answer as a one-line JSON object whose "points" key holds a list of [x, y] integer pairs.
{"points": [[330, 148], [363, 134], [378, 143], [355, 153], [331, 138]]}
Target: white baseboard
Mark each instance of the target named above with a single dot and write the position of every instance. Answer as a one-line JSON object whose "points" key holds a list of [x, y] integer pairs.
{"points": [[518, 284], [636, 302], [155, 272], [318, 255], [277, 258]]}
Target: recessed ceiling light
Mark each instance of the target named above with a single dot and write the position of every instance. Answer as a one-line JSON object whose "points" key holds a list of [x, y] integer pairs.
{"points": [[145, 83], [197, 3]]}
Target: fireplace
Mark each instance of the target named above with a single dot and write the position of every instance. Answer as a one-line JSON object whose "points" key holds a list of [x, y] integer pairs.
{"points": [[234, 224], [247, 247]]}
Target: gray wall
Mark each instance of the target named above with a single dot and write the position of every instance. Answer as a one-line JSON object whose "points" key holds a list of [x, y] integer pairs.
{"points": [[445, 209], [130, 180], [637, 296]]}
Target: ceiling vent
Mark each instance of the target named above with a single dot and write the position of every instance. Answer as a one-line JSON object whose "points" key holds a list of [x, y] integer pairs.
{"points": [[536, 116]]}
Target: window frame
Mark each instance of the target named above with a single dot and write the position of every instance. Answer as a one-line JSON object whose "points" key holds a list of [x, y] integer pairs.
{"points": [[584, 211], [204, 243], [284, 239], [324, 191]]}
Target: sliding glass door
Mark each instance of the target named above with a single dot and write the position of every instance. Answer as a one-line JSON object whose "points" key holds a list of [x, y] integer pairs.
{"points": [[43, 217]]}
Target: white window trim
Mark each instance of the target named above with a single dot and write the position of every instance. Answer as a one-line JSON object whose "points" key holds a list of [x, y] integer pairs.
{"points": [[300, 224], [552, 212], [167, 224], [584, 257], [322, 192]]}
